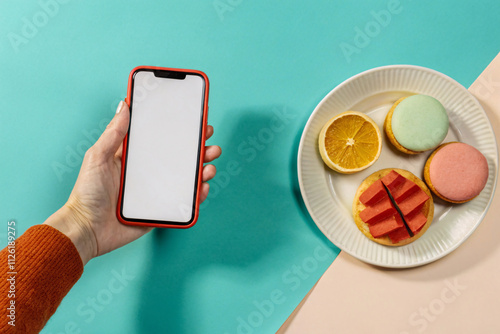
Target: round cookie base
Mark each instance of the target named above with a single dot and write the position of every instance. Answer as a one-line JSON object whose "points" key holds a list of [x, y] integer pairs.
{"points": [[357, 206]]}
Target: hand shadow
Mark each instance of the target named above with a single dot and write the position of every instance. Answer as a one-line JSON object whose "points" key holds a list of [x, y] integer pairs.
{"points": [[246, 216]]}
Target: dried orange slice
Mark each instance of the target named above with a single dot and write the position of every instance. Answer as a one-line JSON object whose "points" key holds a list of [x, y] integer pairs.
{"points": [[350, 142]]}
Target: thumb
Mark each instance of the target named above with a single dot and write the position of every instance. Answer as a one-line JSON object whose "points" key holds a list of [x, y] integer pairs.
{"points": [[112, 137]]}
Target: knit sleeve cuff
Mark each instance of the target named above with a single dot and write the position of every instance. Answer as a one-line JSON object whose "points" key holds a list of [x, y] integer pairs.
{"points": [[47, 265]]}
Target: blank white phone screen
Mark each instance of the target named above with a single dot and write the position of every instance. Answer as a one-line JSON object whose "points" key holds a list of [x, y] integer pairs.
{"points": [[163, 146]]}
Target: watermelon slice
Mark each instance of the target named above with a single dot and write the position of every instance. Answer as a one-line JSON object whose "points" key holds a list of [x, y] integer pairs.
{"points": [[413, 203], [378, 212], [399, 235], [381, 214], [393, 180], [416, 222], [373, 194], [405, 190]]}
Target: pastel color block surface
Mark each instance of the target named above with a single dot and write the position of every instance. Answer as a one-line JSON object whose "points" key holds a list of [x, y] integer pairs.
{"points": [[420, 122]]}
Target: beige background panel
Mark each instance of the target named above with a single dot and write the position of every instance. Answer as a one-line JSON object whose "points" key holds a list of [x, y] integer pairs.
{"points": [[459, 293]]}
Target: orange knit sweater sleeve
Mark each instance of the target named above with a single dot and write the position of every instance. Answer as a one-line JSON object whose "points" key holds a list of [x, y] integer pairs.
{"points": [[44, 266]]}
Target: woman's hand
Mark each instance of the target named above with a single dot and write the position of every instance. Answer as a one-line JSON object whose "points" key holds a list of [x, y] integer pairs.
{"points": [[89, 216]]}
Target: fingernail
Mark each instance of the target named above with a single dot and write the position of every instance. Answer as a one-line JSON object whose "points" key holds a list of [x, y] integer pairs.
{"points": [[120, 107]]}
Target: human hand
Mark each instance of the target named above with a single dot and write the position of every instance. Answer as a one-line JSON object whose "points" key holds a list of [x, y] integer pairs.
{"points": [[89, 216]]}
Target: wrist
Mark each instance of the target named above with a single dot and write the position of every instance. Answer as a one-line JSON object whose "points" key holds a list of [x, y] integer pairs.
{"points": [[66, 221]]}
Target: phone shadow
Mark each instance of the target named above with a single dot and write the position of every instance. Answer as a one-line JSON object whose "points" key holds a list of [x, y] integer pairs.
{"points": [[246, 216]]}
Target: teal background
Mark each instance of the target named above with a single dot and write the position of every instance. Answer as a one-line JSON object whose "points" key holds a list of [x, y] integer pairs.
{"points": [[254, 240]]}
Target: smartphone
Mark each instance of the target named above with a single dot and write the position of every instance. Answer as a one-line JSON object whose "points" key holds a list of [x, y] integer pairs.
{"points": [[164, 148]]}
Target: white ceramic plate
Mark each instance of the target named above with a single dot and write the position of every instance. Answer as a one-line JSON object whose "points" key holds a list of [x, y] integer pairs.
{"points": [[329, 195]]}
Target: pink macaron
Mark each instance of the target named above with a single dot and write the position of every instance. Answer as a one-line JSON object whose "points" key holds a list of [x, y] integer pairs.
{"points": [[456, 172]]}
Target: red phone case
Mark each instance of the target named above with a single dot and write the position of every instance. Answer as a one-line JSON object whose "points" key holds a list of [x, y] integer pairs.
{"points": [[201, 158]]}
